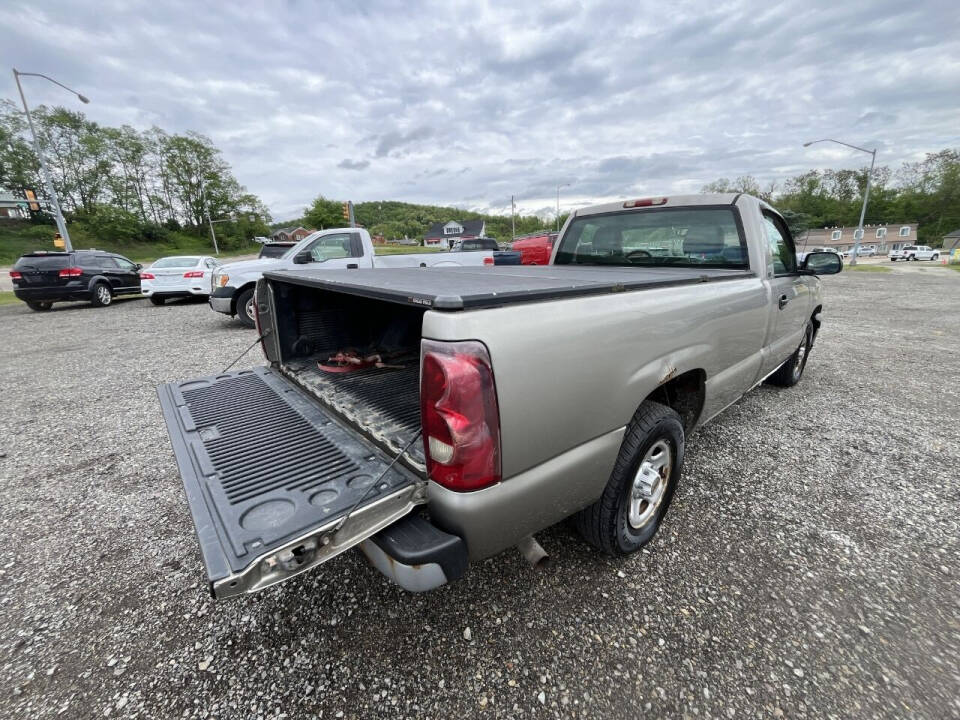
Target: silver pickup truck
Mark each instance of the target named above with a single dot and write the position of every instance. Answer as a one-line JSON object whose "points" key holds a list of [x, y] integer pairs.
{"points": [[438, 417]]}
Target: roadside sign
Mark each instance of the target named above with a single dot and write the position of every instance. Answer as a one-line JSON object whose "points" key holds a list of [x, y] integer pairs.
{"points": [[30, 195]]}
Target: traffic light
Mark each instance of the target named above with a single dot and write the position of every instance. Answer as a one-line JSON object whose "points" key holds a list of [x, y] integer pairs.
{"points": [[346, 211], [58, 240]]}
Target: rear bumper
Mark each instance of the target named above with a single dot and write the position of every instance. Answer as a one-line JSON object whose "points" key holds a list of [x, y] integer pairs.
{"points": [[180, 290], [221, 300], [50, 294], [417, 555]]}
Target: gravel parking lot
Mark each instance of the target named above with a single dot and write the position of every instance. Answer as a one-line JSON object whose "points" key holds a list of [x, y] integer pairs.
{"points": [[808, 566]]}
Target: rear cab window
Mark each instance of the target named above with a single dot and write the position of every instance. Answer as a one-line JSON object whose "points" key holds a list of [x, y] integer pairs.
{"points": [[657, 237]]}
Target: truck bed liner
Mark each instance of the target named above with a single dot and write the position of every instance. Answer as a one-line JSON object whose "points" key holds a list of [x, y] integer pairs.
{"points": [[464, 288], [383, 402]]}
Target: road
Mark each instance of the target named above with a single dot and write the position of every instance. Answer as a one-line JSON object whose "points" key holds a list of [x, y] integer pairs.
{"points": [[808, 566]]}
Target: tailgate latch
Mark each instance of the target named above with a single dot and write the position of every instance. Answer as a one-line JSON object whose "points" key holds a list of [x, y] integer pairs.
{"points": [[292, 559]]}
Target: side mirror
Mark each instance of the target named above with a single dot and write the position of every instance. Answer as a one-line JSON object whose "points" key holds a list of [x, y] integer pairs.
{"points": [[822, 263], [302, 258], [139, 266]]}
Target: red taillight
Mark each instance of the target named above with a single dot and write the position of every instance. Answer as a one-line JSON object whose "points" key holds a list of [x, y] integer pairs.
{"points": [[71, 272], [15, 275], [458, 409], [645, 202], [147, 276], [193, 274], [488, 260]]}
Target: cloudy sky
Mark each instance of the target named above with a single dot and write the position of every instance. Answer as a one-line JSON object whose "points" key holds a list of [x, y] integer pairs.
{"points": [[466, 103]]}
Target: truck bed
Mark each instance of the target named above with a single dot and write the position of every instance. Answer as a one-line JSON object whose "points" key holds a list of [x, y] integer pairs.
{"points": [[383, 402], [466, 288]]}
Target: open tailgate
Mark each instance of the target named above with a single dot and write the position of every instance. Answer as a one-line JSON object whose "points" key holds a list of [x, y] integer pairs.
{"points": [[270, 476]]}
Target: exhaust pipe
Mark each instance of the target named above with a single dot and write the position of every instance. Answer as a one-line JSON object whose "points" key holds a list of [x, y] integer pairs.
{"points": [[533, 552]]}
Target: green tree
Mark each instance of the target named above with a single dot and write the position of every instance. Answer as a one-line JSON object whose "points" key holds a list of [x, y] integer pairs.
{"points": [[324, 213]]}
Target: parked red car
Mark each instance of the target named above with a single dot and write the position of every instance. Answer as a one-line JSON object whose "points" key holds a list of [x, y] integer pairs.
{"points": [[535, 249]]}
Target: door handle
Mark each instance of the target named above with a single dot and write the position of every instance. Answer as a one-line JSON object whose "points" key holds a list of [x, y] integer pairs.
{"points": [[352, 266], [783, 301]]}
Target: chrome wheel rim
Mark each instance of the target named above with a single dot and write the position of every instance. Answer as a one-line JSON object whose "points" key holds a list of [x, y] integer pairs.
{"points": [[103, 294], [250, 310], [801, 354], [650, 484]]}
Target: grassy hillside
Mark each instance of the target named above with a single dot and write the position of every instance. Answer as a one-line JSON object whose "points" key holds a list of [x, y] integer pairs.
{"points": [[18, 238], [395, 219]]}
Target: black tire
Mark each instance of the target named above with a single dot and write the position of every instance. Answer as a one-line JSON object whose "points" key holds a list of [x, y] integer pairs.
{"points": [[244, 305], [607, 524], [39, 306], [101, 295], [158, 300], [789, 374]]}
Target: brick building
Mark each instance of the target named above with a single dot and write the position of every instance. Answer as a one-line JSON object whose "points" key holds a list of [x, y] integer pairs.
{"points": [[884, 238]]}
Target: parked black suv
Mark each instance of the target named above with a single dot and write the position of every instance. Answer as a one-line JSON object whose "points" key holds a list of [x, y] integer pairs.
{"points": [[42, 278]]}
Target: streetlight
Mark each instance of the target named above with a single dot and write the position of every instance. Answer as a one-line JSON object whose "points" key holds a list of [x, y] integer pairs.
{"points": [[866, 193], [61, 223], [558, 203]]}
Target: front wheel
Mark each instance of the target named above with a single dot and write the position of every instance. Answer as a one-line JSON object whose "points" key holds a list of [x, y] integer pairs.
{"points": [[39, 306], [247, 308], [641, 486], [101, 295], [157, 300], [934, 257]]}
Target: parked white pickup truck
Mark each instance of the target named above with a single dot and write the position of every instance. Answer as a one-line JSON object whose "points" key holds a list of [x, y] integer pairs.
{"points": [[439, 417], [232, 285], [914, 252]]}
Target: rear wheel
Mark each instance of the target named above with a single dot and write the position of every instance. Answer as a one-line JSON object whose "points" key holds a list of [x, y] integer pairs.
{"points": [[644, 478], [157, 300], [39, 306], [791, 371], [101, 295], [246, 308]]}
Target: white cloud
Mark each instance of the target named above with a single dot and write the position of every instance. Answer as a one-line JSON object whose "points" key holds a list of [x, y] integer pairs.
{"points": [[467, 103]]}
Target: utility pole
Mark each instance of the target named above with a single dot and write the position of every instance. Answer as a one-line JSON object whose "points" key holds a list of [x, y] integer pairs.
{"points": [[513, 219], [558, 203], [353, 220], [858, 233], [213, 235], [54, 200]]}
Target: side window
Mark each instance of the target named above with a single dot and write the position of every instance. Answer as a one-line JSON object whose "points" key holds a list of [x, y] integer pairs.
{"points": [[123, 263], [331, 247], [85, 260], [781, 246], [106, 262]]}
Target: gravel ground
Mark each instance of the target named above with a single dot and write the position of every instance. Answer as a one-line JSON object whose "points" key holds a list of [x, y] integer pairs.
{"points": [[808, 566]]}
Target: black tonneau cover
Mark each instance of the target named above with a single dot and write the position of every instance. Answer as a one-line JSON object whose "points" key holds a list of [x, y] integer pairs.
{"points": [[465, 288]]}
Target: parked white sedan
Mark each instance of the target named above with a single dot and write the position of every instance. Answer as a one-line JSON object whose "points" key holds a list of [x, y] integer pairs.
{"points": [[177, 276]]}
